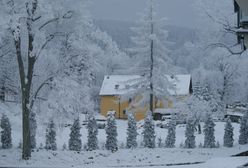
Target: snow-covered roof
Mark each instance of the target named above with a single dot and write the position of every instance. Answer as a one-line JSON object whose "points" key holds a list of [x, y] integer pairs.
{"points": [[115, 84]]}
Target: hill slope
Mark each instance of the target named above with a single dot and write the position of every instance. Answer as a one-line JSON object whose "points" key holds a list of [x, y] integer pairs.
{"points": [[120, 32]]}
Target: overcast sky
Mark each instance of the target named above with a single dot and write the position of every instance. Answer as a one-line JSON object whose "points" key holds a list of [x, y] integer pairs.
{"points": [[178, 12]]}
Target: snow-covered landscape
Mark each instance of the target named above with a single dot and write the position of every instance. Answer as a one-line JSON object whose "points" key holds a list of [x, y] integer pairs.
{"points": [[140, 157], [124, 83]]}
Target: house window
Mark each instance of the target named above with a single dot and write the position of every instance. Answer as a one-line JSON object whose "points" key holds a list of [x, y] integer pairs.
{"points": [[124, 112]]}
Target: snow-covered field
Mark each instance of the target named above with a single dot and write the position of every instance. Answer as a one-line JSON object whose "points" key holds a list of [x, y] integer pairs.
{"points": [[158, 157], [128, 158]]}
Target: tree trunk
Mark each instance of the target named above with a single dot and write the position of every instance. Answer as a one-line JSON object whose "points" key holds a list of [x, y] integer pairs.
{"points": [[26, 148], [26, 82], [152, 63], [199, 128], [2, 93], [26, 151]]}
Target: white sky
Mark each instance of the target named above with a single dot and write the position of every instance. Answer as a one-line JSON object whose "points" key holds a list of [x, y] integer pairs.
{"points": [[178, 12]]}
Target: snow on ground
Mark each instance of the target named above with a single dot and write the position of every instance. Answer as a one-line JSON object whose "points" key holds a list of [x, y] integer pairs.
{"points": [[158, 157], [127, 158]]}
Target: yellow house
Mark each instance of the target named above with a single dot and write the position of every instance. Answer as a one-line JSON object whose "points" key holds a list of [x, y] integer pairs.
{"points": [[114, 87]]}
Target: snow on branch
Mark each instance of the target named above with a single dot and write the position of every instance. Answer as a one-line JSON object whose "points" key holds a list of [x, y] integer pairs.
{"points": [[221, 45], [67, 15]]}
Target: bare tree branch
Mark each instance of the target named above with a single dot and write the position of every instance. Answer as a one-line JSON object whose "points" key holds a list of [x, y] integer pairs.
{"points": [[67, 15], [35, 19], [48, 22], [4, 54], [225, 23], [221, 45], [46, 82], [49, 39]]}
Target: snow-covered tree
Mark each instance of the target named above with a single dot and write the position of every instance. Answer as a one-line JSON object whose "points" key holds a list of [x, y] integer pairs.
{"points": [[6, 139], [59, 53], [196, 108], [8, 67], [209, 137], [197, 90], [75, 142], [150, 55], [131, 132], [28, 22], [111, 132], [218, 60], [228, 136], [206, 95], [243, 131], [51, 136], [171, 136], [84, 58], [149, 132], [223, 20], [92, 143], [189, 134], [33, 128], [210, 83]]}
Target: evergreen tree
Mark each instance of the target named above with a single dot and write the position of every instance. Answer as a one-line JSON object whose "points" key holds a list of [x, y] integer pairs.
{"points": [[206, 94], [171, 136], [111, 131], [228, 136], [202, 92], [189, 134], [33, 128], [149, 132], [92, 143], [209, 138], [6, 132], [131, 132], [75, 142], [150, 55], [51, 136], [243, 136], [197, 91]]}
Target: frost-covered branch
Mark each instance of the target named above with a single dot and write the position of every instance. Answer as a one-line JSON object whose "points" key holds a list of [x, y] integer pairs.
{"points": [[67, 15], [46, 82], [221, 45], [48, 39]]}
